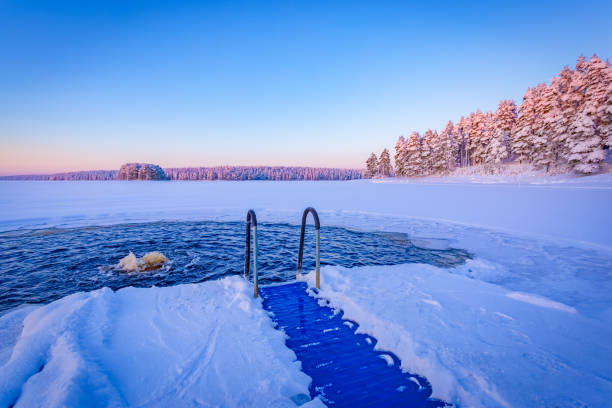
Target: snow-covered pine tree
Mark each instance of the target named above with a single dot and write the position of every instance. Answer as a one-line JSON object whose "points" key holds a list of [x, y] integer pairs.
{"points": [[400, 157], [413, 162], [384, 164], [598, 89], [478, 137], [605, 115], [427, 153], [575, 95], [586, 152], [462, 130], [487, 135], [563, 85], [436, 158], [522, 142], [449, 148], [503, 125], [548, 114], [372, 166]]}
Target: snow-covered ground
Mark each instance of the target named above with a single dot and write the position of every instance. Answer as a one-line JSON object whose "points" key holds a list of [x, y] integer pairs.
{"points": [[478, 343], [525, 323], [208, 344], [521, 178]]}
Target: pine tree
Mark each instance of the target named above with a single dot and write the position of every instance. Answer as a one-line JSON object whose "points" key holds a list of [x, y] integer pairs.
{"points": [[522, 143], [449, 147], [462, 131], [574, 99], [478, 137], [399, 158], [487, 135], [372, 166], [598, 89], [563, 84], [427, 153], [384, 164], [436, 159], [503, 125], [586, 153], [605, 115], [413, 162], [548, 112]]}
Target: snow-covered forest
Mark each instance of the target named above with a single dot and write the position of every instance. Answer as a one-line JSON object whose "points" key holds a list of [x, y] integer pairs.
{"points": [[209, 173], [262, 173], [560, 127]]}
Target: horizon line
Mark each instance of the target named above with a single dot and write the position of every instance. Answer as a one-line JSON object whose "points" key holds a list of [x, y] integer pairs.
{"points": [[179, 167]]}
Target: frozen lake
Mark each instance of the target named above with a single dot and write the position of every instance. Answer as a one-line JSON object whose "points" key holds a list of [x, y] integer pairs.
{"points": [[576, 210], [525, 321]]}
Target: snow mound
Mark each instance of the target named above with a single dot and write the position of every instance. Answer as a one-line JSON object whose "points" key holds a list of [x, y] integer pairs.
{"points": [[479, 344], [208, 344]]}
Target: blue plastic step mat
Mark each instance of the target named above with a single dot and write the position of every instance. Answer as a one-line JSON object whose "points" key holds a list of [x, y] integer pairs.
{"points": [[345, 369]]}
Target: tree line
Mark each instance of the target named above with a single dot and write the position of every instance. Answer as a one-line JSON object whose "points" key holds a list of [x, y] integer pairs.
{"points": [[262, 173], [133, 171], [563, 126]]}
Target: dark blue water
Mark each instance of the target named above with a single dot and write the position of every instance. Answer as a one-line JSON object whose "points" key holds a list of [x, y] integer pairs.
{"points": [[45, 265]]}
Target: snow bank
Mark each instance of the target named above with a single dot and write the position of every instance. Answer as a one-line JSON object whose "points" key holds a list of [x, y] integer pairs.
{"points": [[478, 343], [508, 175], [207, 344]]}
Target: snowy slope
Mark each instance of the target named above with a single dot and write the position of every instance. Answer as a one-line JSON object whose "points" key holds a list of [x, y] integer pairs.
{"points": [[207, 344], [479, 344]]}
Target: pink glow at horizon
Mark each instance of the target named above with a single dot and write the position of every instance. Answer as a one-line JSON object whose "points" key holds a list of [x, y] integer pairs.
{"points": [[48, 159]]}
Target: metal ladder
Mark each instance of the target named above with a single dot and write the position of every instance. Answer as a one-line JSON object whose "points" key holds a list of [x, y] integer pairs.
{"points": [[251, 223]]}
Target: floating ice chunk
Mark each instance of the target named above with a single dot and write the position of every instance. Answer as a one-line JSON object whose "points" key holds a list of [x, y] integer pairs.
{"points": [[150, 261], [153, 260], [129, 263]]}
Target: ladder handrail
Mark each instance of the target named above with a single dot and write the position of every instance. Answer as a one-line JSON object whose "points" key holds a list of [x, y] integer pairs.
{"points": [[301, 252], [251, 217]]}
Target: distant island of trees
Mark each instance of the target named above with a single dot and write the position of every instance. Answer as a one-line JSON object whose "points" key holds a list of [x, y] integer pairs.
{"points": [[146, 171]]}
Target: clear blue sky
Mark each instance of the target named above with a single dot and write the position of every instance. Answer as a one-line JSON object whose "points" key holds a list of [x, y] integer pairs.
{"points": [[90, 85]]}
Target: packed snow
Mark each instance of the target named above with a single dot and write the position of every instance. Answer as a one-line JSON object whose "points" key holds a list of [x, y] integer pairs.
{"points": [[479, 344], [208, 344], [526, 322]]}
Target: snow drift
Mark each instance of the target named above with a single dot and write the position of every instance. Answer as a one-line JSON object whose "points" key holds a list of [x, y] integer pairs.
{"points": [[478, 344], [207, 344]]}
